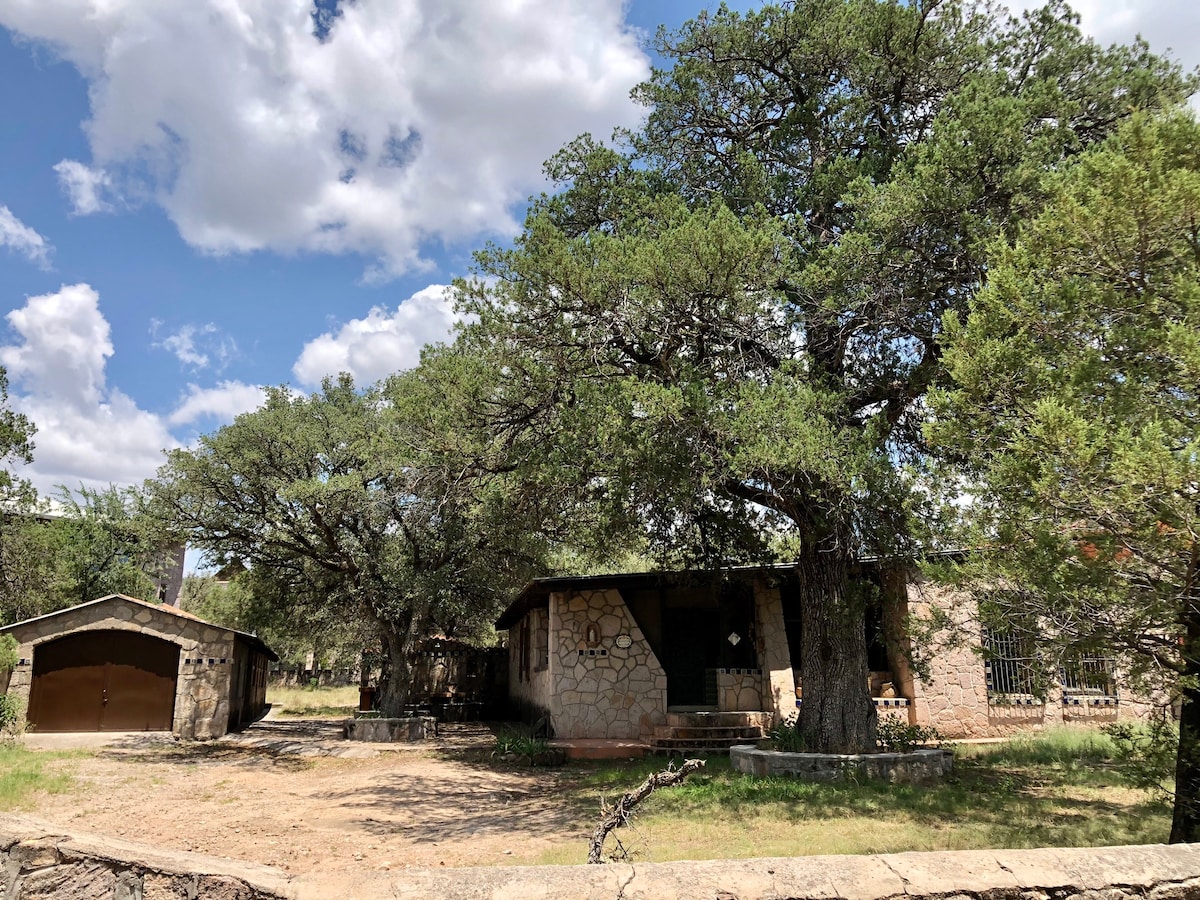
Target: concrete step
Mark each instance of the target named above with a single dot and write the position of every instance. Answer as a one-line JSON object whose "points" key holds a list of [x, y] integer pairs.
{"points": [[741, 719], [686, 745], [743, 732]]}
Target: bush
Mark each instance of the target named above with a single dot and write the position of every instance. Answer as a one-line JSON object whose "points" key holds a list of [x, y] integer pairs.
{"points": [[10, 715], [1146, 752], [519, 743], [785, 736], [894, 736]]}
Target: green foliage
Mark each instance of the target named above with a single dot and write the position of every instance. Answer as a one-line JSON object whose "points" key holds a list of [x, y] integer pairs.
{"points": [[349, 507], [895, 736], [1147, 752], [80, 546], [786, 737], [8, 652], [11, 714], [720, 338], [1072, 418], [519, 742]]}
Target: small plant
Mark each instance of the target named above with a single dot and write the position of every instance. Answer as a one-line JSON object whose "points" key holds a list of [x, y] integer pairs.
{"points": [[313, 684], [10, 715], [519, 744], [894, 736], [786, 737]]}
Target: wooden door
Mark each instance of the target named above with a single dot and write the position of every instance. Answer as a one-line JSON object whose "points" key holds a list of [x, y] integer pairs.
{"points": [[104, 681]]}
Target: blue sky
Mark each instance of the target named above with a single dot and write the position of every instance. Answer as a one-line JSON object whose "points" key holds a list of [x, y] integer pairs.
{"points": [[199, 197]]}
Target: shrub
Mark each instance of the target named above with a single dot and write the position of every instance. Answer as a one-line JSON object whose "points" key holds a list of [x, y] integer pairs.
{"points": [[785, 736], [894, 736], [10, 715], [1147, 752], [519, 743]]}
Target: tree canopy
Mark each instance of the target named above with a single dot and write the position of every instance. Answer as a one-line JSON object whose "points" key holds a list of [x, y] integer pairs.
{"points": [[1075, 413], [347, 501], [727, 328]]}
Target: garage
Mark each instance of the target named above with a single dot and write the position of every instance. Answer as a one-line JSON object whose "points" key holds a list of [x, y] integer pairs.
{"points": [[104, 681], [122, 664]]}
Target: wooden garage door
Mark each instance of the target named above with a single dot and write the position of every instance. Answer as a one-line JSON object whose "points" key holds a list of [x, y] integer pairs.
{"points": [[104, 681]]}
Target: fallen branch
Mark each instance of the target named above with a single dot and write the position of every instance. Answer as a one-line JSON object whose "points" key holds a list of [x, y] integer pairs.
{"points": [[619, 813]]}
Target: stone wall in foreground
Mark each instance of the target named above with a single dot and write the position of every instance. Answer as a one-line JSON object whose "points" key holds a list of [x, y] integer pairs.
{"points": [[40, 861]]}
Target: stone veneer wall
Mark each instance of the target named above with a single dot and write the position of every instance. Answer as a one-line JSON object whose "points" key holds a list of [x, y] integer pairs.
{"points": [[40, 861], [739, 690], [602, 691], [954, 698], [205, 657], [778, 683]]}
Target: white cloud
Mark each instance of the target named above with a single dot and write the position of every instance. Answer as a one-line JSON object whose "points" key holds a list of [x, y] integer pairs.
{"points": [[87, 432], [1172, 25], [18, 236], [86, 188], [196, 346], [413, 121], [224, 402], [382, 343]]}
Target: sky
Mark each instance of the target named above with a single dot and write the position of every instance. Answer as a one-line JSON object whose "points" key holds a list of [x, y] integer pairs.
{"points": [[202, 197]]}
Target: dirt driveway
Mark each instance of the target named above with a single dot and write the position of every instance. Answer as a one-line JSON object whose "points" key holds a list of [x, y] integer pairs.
{"points": [[275, 795]]}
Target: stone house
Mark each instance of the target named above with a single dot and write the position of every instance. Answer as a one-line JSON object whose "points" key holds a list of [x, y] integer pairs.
{"points": [[638, 656], [122, 664]]}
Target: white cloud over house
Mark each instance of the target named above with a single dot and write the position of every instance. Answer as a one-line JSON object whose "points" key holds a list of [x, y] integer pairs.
{"points": [[401, 123], [22, 239], [382, 342]]}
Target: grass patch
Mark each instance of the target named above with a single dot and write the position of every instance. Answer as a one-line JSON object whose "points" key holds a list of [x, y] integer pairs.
{"points": [[1058, 789], [25, 773], [314, 703]]}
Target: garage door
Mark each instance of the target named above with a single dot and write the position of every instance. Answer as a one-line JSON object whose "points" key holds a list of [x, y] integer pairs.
{"points": [[104, 681]]}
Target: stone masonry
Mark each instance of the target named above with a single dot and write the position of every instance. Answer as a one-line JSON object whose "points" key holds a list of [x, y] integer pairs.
{"points": [[41, 861], [205, 655], [954, 697], [600, 689]]}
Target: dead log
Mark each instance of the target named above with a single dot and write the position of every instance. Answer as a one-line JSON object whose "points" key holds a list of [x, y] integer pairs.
{"points": [[619, 813]]}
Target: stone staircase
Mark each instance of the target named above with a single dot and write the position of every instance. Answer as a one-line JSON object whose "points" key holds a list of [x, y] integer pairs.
{"points": [[710, 732]]}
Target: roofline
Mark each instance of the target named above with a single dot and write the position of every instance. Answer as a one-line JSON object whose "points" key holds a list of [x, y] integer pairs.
{"points": [[252, 639], [539, 589]]}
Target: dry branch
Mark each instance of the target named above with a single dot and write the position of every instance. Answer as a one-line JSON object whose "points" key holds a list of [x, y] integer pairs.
{"points": [[619, 813]]}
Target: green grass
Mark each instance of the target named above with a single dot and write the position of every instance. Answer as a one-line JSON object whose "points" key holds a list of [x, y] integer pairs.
{"points": [[25, 773], [1060, 789], [314, 703]]}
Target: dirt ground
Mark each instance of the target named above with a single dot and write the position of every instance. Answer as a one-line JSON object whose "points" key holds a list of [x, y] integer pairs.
{"points": [[271, 796]]}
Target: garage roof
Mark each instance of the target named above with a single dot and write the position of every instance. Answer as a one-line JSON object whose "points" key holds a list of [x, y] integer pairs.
{"points": [[251, 639]]}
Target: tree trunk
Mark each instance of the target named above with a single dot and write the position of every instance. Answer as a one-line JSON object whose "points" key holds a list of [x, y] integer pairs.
{"points": [[836, 714], [395, 690], [1185, 824]]}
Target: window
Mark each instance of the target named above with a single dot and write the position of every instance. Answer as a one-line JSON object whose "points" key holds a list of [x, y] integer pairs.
{"points": [[1091, 675], [1010, 665]]}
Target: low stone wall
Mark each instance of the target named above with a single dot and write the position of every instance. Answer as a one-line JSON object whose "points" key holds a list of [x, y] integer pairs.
{"points": [[384, 731], [917, 767], [40, 861], [43, 862]]}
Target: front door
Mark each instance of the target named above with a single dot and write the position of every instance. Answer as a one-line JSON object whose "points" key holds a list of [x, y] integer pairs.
{"points": [[692, 648]]}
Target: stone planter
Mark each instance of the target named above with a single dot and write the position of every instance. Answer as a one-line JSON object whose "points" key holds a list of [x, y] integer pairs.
{"points": [[382, 731], [916, 767]]}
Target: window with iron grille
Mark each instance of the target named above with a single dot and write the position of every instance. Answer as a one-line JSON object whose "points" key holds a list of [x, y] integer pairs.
{"points": [[1011, 666], [1092, 675]]}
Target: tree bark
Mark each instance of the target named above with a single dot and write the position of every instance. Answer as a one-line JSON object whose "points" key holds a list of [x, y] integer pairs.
{"points": [[836, 714], [1185, 823], [395, 691]]}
